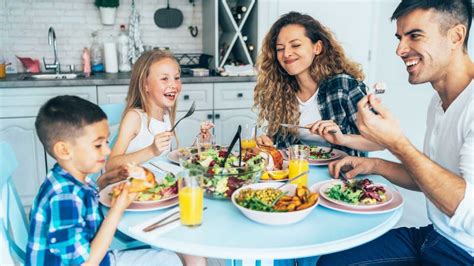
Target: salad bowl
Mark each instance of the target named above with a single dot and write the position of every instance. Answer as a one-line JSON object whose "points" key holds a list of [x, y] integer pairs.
{"points": [[221, 180]]}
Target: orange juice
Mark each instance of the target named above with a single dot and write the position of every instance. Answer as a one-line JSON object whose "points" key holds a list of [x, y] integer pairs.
{"points": [[248, 144], [2, 70], [190, 205], [296, 167]]}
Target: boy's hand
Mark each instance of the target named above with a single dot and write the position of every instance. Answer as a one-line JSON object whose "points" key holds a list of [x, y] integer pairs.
{"points": [[328, 130], [205, 130], [162, 142], [113, 176], [264, 140], [125, 198]]}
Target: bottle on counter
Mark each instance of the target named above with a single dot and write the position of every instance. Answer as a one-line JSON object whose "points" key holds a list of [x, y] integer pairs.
{"points": [[110, 55], [86, 62], [122, 45], [97, 62]]}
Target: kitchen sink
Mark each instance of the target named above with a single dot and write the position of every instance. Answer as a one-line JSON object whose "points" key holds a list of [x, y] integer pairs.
{"points": [[52, 76]]}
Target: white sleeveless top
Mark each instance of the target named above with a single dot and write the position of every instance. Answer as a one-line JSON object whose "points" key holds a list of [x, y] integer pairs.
{"points": [[147, 132]]}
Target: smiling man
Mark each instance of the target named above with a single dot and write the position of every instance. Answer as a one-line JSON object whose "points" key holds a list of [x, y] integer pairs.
{"points": [[433, 36]]}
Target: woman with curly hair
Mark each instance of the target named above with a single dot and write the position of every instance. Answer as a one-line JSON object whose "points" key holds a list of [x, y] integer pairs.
{"points": [[305, 78]]}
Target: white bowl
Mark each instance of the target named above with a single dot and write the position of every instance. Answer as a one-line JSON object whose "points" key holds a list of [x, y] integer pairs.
{"points": [[273, 218]]}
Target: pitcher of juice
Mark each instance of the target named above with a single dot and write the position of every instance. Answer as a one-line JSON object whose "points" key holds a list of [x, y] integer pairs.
{"points": [[248, 135], [190, 196], [298, 164]]}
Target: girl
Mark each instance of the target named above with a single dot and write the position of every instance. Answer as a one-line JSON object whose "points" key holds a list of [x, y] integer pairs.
{"points": [[150, 110], [304, 76]]}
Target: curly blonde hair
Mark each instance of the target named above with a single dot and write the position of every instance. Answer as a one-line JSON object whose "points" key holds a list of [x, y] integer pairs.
{"points": [[136, 97], [275, 92]]}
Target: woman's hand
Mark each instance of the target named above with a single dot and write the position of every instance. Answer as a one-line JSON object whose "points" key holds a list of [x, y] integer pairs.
{"points": [[358, 165], [124, 199], [113, 176], [162, 142], [264, 140], [328, 130]]}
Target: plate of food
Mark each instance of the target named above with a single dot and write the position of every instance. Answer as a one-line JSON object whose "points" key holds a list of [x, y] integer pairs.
{"points": [[266, 204], [154, 190], [319, 155], [396, 203], [357, 193], [175, 155]]}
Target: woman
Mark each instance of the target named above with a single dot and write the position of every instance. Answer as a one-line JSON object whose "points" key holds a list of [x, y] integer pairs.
{"points": [[305, 77]]}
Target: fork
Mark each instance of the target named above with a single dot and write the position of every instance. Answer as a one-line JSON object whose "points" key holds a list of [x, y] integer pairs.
{"points": [[188, 114]]}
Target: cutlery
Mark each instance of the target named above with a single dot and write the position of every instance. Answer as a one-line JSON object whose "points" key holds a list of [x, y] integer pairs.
{"points": [[298, 126], [231, 146], [161, 222], [188, 114], [342, 173], [163, 170]]}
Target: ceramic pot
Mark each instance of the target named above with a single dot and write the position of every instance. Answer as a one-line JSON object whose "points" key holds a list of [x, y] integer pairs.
{"points": [[107, 15]]}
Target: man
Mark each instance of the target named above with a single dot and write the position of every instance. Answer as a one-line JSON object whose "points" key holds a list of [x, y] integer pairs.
{"points": [[433, 38]]}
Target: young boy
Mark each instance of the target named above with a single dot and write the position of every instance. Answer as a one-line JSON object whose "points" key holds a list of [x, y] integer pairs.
{"points": [[67, 226]]}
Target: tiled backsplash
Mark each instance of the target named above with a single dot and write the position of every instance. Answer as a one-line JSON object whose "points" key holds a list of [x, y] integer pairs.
{"points": [[25, 23]]}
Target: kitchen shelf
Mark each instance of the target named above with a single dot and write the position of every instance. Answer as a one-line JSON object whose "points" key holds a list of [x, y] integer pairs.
{"points": [[227, 38]]}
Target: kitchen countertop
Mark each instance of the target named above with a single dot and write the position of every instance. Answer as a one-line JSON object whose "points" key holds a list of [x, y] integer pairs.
{"points": [[103, 79]]}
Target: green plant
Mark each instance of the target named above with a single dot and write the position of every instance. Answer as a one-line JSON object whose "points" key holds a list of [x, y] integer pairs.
{"points": [[107, 3]]}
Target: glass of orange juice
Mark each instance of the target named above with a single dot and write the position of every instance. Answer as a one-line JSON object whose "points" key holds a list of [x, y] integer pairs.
{"points": [[298, 164], [248, 136], [191, 196]]}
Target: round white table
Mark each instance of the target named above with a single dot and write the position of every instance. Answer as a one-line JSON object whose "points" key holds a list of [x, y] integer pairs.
{"points": [[227, 233]]}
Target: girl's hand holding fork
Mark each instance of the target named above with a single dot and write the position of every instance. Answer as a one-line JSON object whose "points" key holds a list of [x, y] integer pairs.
{"points": [[162, 142]]}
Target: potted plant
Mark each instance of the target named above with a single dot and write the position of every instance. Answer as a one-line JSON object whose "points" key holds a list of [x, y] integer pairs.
{"points": [[108, 10]]}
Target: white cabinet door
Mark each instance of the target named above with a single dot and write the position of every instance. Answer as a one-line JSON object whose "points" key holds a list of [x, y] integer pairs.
{"points": [[189, 127], [111, 94], [20, 133], [227, 121]]}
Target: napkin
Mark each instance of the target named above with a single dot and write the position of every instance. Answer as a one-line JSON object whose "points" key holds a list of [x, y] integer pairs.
{"points": [[175, 169], [138, 229]]}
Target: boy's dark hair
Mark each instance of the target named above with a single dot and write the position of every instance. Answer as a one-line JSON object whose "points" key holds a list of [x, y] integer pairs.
{"points": [[453, 11], [63, 118]]}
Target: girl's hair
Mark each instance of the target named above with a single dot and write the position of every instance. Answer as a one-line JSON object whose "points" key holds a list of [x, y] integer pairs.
{"points": [[136, 97], [275, 92]]}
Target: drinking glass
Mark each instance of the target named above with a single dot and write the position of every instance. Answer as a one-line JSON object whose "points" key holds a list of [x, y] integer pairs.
{"points": [[248, 136], [204, 143], [298, 164], [191, 196]]}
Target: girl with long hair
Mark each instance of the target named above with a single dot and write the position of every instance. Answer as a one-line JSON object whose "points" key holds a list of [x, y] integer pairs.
{"points": [[305, 78]]}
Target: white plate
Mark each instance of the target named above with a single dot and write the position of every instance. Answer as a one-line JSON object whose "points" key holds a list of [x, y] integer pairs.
{"points": [[336, 154], [329, 185], [396, 203], [173, 157]]}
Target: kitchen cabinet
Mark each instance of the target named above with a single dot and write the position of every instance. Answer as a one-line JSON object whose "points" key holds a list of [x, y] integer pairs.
{"points": [[189, 127], [18, 110], [227, 121]]}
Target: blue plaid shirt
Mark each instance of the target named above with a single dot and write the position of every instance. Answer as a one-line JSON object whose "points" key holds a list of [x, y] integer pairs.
{"points": [[337, 100], [64, 219]]}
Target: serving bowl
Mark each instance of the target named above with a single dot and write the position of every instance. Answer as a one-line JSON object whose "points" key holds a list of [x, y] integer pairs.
{"points": [[273, 218], [220, 181]]}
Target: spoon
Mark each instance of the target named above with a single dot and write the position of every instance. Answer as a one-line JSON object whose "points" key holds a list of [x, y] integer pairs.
{"points": [[292, 179], [188, 114]]}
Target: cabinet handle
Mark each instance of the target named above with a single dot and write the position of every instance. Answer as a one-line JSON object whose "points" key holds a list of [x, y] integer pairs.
{"points": [[186, 97], [209, 116], [240, 95], [217, 116]]}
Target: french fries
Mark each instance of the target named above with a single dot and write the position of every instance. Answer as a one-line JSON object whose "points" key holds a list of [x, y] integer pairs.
{"points": [[302, 199]]}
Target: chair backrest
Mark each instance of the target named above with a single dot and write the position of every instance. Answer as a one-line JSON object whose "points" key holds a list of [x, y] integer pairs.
{"points": [[114, 116], [14, 224]]}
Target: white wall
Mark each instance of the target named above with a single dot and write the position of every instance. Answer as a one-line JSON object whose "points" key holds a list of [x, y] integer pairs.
{"points": [[25, 23]]}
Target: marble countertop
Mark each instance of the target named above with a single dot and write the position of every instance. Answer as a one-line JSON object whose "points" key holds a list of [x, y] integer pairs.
{"points": [[104, 79]]}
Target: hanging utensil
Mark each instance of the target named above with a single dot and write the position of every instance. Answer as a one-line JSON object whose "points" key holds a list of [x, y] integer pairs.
{"points": [[193, 29], [168, 18]]}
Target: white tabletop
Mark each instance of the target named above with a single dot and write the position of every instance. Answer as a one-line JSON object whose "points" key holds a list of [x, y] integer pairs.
{"points": [[227, 233]]}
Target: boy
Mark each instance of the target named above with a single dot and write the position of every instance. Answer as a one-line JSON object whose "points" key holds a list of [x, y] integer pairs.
{"points": [[67, 226]]}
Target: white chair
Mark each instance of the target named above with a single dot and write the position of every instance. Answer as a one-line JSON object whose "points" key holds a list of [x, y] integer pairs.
{"points": [[13, 221]]}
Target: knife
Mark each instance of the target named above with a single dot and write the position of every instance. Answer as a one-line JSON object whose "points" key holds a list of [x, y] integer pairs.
{"points": [[298, 126]]}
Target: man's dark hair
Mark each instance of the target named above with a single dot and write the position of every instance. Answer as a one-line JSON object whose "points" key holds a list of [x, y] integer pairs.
{"points": [[454, 12], [63, 118]]}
